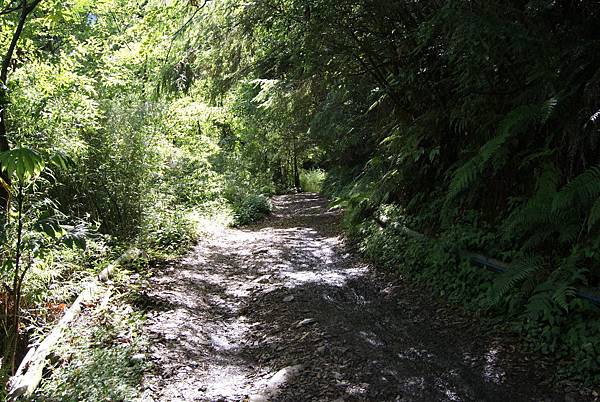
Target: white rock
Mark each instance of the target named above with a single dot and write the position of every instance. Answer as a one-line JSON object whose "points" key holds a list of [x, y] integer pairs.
{"points": [[306, 321], [273, 385]]}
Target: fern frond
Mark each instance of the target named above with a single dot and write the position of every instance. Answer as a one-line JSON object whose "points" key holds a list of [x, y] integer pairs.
{"points": [[514, 122], [583, 189], [594, 215], [538, 237], [536, 213], [569, 233], [548, 108], [540, 304], [519, 271], [561, 294], [463, 178]]}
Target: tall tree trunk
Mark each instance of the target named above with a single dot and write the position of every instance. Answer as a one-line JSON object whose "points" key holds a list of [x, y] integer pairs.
{"points": [[296, 172], [25, 10], [17, 283], [4, 146]]}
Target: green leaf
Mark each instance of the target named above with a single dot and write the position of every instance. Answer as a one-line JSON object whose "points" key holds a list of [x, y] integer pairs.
{"points": [[22, 163], [61, 160]]}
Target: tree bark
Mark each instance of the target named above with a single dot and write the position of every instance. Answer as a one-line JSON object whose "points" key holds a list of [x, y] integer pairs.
{"points": [[296, 172], [26, 9]]}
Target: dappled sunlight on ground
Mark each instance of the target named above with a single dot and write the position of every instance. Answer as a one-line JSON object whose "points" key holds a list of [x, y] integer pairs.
{"points": [[283, 312]]}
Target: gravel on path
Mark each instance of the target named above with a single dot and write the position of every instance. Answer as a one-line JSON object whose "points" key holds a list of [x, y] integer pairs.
{"points": [[283, 311]]}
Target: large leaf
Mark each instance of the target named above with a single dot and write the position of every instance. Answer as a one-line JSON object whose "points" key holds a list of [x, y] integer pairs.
{"points": [[22, 163], [61, 160]]}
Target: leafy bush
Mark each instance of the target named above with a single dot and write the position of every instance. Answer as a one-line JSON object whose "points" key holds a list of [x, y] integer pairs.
{"points": [[312, 180], [168, 232], [251, 209]]}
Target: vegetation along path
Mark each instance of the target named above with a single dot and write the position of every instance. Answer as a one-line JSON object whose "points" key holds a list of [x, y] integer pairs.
{"points": [[282, 311]]}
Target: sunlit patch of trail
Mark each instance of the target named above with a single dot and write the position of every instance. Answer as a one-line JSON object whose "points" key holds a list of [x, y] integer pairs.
{"points": [[283, 312], [198, 342]]}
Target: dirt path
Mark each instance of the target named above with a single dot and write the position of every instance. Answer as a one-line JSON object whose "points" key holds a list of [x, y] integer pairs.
{"points": [[282, 312]]}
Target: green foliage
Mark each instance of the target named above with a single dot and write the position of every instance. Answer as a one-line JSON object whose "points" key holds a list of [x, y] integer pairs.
{"points": [[97, 361], [312, 180], [35, 230], [537, 301], [169, 232], [515, 121], [522, 270], [251, 209], [21, 163]]}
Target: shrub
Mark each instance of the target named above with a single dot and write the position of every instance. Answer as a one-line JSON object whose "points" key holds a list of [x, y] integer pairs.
{"points": [[312, 180], [168, 232], [251, 209]]}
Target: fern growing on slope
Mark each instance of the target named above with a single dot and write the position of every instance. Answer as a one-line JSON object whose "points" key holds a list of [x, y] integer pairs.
{"points": [[557, 214], [522, 272], [515, 122], [583, 192]]}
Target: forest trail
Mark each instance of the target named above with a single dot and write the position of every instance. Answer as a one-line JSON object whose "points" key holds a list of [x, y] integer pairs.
{"points": [[282, 311]]}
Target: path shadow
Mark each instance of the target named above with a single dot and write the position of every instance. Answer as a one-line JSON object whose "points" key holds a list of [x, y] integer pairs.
{"points": [[249, 303]]}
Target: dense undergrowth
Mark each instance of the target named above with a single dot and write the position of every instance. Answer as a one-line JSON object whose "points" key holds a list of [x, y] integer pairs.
{"points": [[251, 209], [474, 123], [312, 180]]}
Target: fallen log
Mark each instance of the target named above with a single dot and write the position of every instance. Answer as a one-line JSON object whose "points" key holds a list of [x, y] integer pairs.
{"points": [[130, 254], [29, 373]]}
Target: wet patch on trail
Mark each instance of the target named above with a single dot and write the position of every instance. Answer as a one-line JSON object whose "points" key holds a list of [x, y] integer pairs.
{"points": [[282, 311]]}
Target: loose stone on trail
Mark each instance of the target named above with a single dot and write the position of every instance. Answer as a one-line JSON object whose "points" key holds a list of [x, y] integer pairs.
{"points": [[304, 322], [273, 385], [263, 279], [225, 314]]}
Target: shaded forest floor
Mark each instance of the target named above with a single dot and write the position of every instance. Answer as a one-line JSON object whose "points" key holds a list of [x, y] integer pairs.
{"points": [[283, 311]]}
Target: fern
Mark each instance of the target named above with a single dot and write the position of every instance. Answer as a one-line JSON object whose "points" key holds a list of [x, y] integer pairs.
{"points": [[536, 214], [548, 108], [464, 177], [561, 294], [514, 122], [594, 215], [557, 289], [582, 190], [540, 303], [519, 271]]}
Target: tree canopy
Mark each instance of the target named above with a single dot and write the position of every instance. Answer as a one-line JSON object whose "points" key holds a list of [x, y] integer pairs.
{"points": [[475, 123]]}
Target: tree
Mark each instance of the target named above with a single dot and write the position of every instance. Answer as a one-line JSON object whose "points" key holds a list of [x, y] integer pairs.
{"points": [[23, 9]]}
